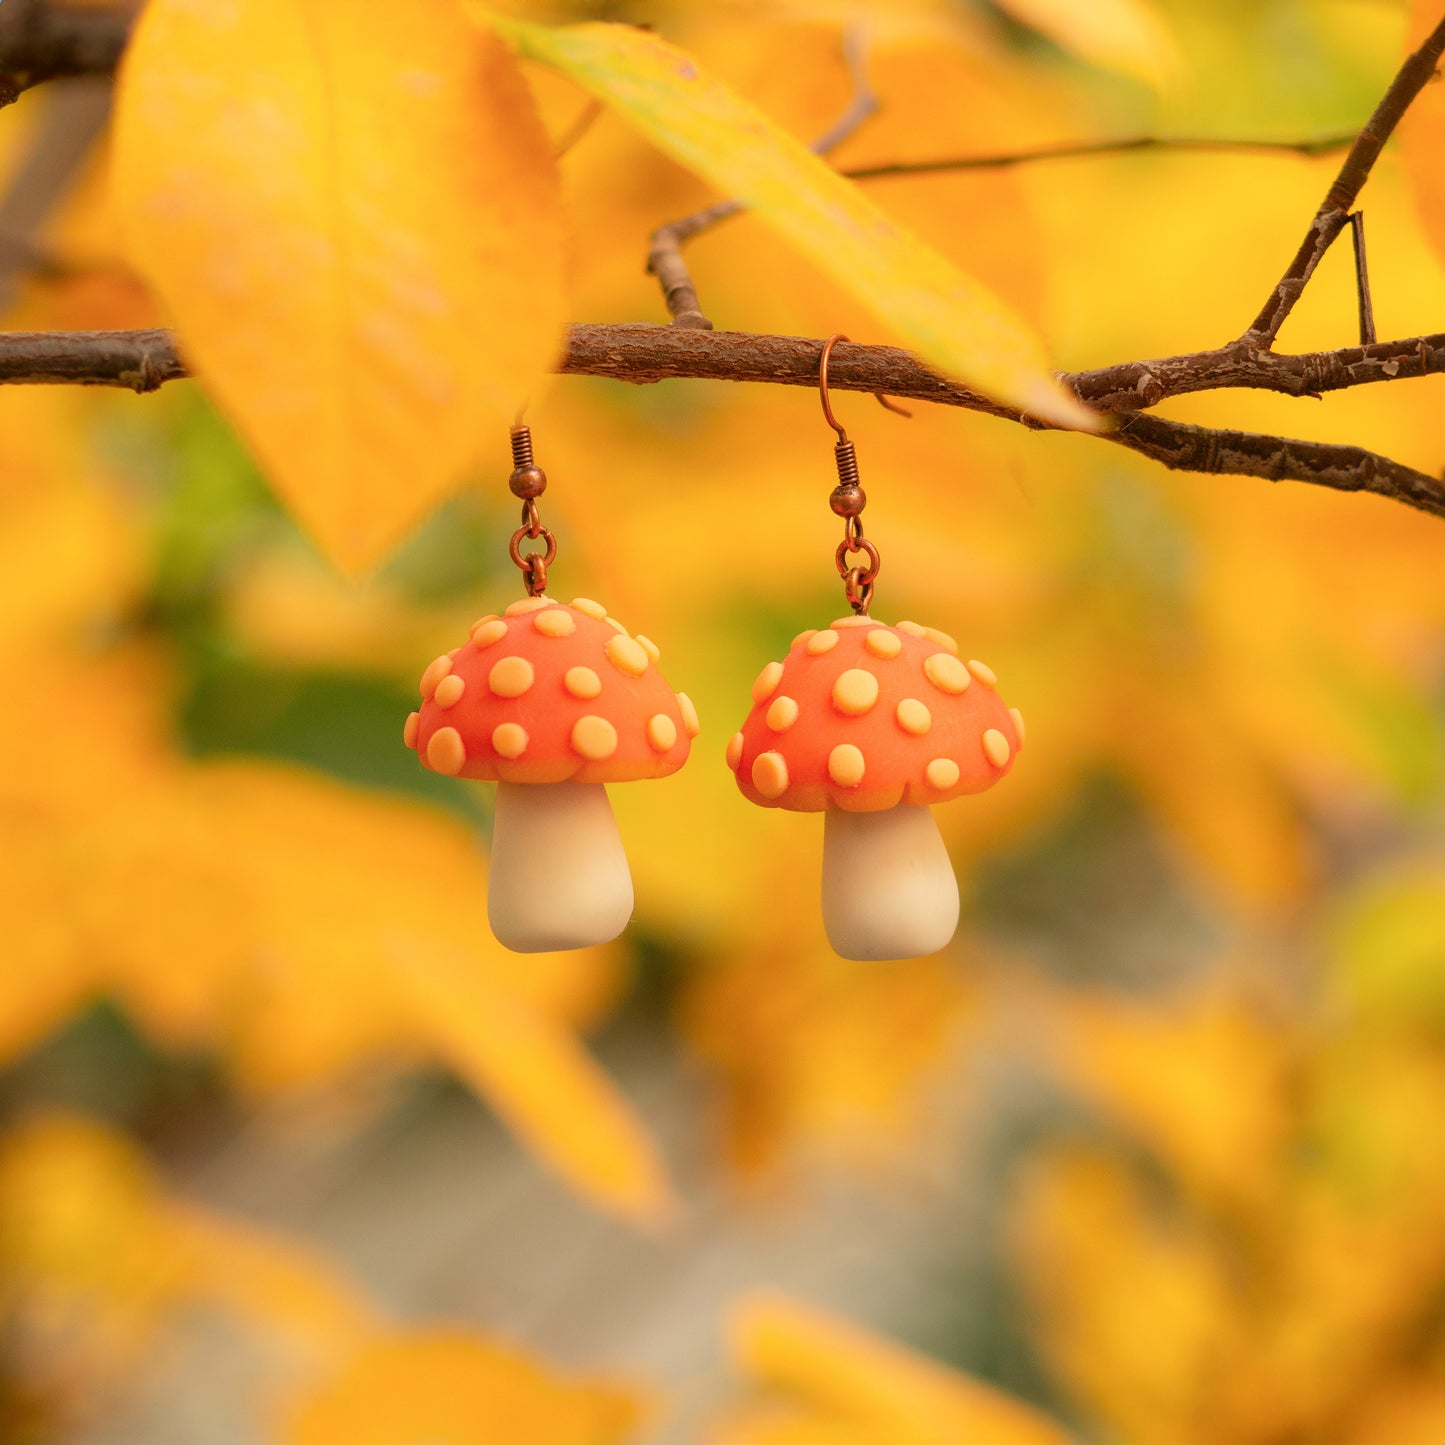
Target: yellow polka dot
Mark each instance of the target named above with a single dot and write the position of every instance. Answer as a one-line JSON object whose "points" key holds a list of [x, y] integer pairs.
{"points": [[883, 643], [983, 672], [767, 681], [594, 738], [594, 610], [942, 639], [408, 733], [449, 691], [913, 629], [995, 747], [582, 682], [946, 672], [437, 669], [486, 633], [555, 622], [511, 677], [510, 739], [616, 626], [941, 773], [626, 655], [527, 604], [1018, 718], [482, 621], [782, 714], [689, 715], [855, 691], [653, 651], [821, 642], [913, 716], [735, 751], [445, 752], [770, 775], [854, 622], [845, 765], [803, 637], [661, 731]]}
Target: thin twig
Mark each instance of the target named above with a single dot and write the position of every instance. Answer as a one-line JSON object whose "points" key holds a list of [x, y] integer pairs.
{"points": [[68, 128], [1077, 150], [586, 118], [664, 256], [1362, 279], [143, 360], [1339, 200]]}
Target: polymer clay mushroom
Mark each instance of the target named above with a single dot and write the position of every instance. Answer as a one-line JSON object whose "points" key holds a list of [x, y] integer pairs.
{"points": [[871, 725], [552, 701]]}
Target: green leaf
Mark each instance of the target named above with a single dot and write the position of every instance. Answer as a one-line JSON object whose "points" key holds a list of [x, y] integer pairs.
{"points": [[949, 319]]}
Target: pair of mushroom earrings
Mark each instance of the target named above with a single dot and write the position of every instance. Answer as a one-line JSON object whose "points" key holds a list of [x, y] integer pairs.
{"points": [[866, 723]]}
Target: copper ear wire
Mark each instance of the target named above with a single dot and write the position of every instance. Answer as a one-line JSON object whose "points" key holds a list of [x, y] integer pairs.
{"points": [[529, 481], [848, 498]]}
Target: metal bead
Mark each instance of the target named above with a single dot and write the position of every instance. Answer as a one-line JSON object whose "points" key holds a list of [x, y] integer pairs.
{"points": [[528, 482], [848, 501]]}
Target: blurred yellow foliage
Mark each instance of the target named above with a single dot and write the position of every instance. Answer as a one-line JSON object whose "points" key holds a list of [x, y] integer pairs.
{"points": [[840, 1383], [448, 1386], [1229, 1227]]}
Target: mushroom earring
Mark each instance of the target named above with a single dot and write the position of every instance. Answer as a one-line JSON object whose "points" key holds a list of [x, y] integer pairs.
{"points": [[551, 701], [871, 725]]}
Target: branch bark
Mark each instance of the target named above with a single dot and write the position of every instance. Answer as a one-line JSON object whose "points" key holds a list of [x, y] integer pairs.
{"points": [[144, 360], [41, 40], [1339, 200]]}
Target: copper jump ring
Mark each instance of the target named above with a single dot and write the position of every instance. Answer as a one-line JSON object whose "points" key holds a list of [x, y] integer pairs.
{"points": [[529, 481], [849, 499]]}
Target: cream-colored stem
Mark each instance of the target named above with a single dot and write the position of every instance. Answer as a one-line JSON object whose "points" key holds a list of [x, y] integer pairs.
{"points": [[559, 876], [888, 887]]}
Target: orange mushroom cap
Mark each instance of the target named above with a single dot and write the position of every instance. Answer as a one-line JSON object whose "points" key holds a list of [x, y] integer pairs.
{"points": [[863, 716], [551, 692]]}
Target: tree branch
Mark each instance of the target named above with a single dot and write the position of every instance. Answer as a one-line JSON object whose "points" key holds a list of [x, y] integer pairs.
{"points": [[664, 256], [1087, 149], [144, 360], [1339, 200], [41, 40]]}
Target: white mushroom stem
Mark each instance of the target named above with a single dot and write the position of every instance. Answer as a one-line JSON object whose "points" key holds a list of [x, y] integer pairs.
{"points": [[888, 887], [559, 876]]}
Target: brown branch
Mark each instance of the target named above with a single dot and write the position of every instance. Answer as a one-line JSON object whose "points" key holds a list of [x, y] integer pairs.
{"points": [[1339, 200], [43, 40], [638, 353], [664, 256], [1078, 150]]}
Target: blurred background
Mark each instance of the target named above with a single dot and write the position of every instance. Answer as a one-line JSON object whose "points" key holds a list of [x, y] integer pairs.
{"points": [[291, 1150]]}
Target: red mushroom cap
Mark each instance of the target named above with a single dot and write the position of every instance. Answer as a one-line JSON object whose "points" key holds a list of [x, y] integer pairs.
{"points": [[862, 716], [548, 692]]}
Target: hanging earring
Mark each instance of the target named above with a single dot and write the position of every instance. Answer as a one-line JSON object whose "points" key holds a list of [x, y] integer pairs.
{"points": [[870, 725], [551, 701]]}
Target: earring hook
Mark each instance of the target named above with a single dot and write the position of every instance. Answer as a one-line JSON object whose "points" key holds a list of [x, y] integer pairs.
{"points": [[885, 402]]}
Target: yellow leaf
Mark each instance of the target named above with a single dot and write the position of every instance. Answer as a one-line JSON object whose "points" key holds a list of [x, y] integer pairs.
{"points": [[351, 210], [543, 1083], [866, 1381], [951, 320], [445, 1386], [1422, 135], [1124, 35]]}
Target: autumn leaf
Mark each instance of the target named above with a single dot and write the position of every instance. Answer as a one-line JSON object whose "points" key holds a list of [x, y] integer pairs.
{"points": [[951, 320], [443, 1385], [854, 1386], [1422, 135], [1124, 35], [543, 1083], [351, 211]]}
